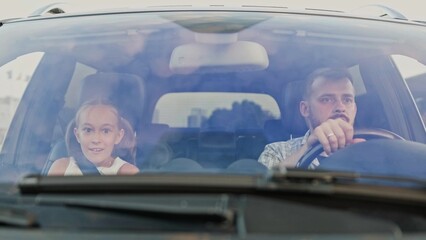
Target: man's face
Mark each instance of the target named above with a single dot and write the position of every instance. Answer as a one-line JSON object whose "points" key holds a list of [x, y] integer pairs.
{"points": [[329, 99]]}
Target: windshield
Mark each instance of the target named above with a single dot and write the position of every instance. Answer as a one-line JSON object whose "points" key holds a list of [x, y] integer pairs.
{"points": [[221, 92]]}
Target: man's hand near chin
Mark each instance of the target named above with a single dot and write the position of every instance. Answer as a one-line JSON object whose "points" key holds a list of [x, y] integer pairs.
{"points": [[333, 134]]}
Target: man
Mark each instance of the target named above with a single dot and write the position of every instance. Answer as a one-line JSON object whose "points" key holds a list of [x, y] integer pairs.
{"points": [[329, 109]]}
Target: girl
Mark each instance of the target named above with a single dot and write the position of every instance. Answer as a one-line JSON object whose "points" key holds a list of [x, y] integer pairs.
{"points": [[98, 130]]}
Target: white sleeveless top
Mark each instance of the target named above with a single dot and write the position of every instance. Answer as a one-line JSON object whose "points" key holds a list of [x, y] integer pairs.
{"points": [[73, 169]]}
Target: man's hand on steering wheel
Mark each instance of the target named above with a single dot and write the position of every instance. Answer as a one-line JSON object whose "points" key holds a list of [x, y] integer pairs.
{"points": [[333, 135], [359, 135]]}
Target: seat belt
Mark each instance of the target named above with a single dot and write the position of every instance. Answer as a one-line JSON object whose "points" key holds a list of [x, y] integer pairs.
{"points": [[86, 167]]}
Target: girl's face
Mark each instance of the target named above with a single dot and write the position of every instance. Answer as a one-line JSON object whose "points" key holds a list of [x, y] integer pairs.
{"points": [[97, 132]]}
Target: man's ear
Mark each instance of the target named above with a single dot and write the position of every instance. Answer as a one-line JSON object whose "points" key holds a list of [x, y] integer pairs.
{"points": [[304, 108], [77, 136]]}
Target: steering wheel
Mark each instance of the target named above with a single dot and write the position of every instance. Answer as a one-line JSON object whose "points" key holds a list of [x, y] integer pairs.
{"points": [[366, 133]]}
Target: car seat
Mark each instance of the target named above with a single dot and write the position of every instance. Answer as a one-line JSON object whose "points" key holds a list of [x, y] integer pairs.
{"points": [[294, 125], [274, 131], [153, 151], [126, 91], [216, 148]]}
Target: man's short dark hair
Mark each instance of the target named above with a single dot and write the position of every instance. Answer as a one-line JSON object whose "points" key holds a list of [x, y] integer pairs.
{"points": [[332, 74]]}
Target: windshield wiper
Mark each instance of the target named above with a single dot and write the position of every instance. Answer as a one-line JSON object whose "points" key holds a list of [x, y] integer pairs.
{"points": [[146, 182], [349, 183], [295, 181], [325, 176]]}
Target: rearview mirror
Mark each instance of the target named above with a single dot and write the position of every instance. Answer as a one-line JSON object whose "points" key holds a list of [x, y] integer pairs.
{"points": [[227, 57]]}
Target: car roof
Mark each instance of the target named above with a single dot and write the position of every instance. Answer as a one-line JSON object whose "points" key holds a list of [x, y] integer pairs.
{"points": [[372, 11]]}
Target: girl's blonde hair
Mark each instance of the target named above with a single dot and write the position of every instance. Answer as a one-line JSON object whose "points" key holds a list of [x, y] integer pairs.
{"points": [[96, 102]]}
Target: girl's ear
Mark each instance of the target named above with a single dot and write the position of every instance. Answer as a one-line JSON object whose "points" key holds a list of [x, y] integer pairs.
{"points": [[77, 136], [304, 108], [120, 136]]}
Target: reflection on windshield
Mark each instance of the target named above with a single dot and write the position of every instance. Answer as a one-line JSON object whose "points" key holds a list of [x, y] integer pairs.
{"points": [[238, 89]]}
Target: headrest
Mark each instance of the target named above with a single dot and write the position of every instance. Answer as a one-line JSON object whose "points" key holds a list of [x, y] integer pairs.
{"points": [[152, 133], [275, 131], [217, 139], [126, 91], [293, 121]]}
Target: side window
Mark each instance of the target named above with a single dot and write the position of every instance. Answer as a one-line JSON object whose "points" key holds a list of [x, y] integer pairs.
{"points": [[215, 110], [414, 74], [14, 78]]}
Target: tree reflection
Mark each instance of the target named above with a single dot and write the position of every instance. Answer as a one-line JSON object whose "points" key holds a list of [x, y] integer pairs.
{"points": [[242, 115]]}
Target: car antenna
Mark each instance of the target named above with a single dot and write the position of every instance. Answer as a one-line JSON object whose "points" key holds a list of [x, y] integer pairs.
{"points": [[379, 10], [53, 8]]}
